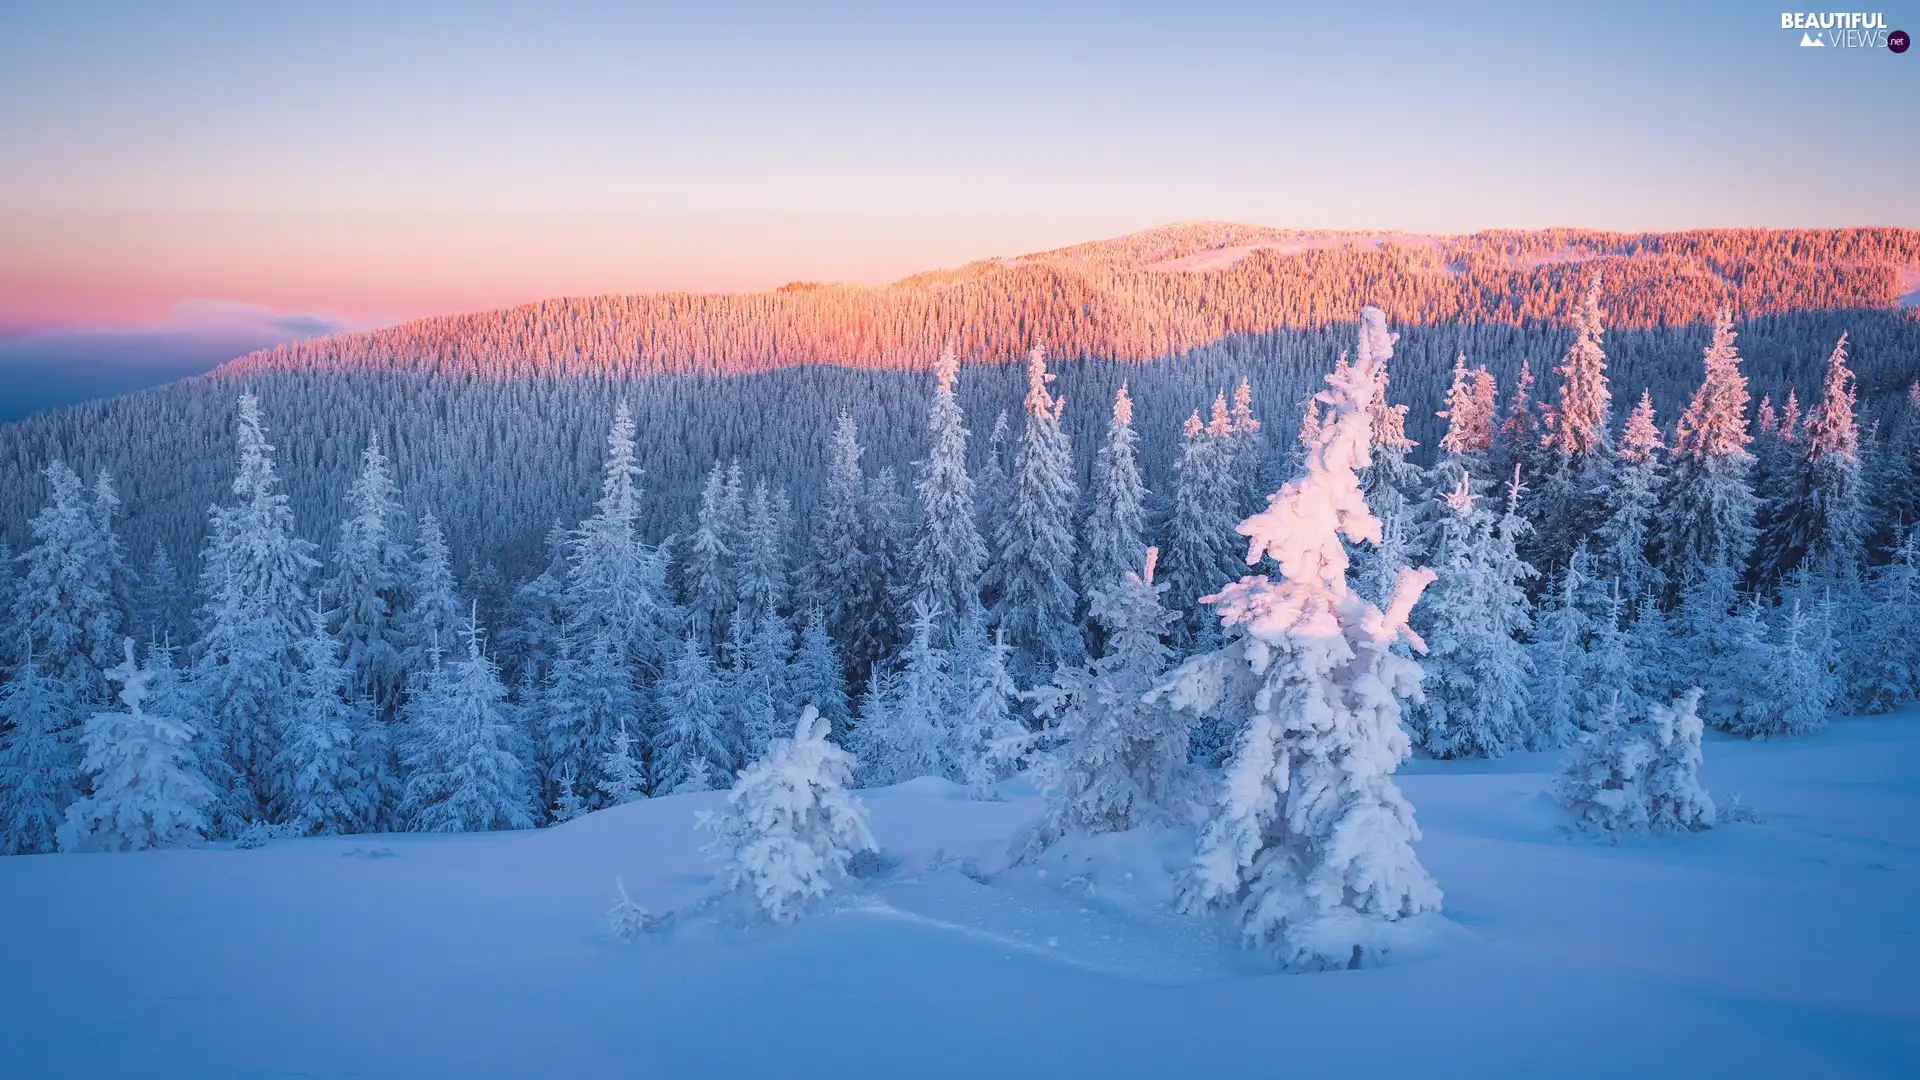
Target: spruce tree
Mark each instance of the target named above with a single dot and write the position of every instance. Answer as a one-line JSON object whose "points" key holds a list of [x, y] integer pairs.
{"points": [[1710, 507], [760, 571], [1470, 426], [1116, 512], [948, 555], [1250, 453], [1518, 442], [1395, 488], [1631, 501], [1203, 552], [160, 598], [693, 749], [616, 582], [1035, 547], [466, 753], [430, 624], [1578, 442], [623, 778], [850, 587], [987, 738], [707, 588], [1721, 647], [817, 677], [1890, 650], [909, 735], [364, 592], [321, 789], [66, 610], [145, 788], [1820, 518], [39, 762]]}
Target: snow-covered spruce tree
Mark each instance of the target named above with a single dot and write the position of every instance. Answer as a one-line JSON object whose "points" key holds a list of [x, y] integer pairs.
{"points": [[909, 735], [1800, 692], [1893, 485], [39, 764], [850, 585], [145, 785], [605, 700], [616, 582], [1518, 440], [1890, 650], [1819, 517], [1311, 844], [948, 555], [623, 778], [65, 605], [1633, 774], [1470, 426], [1116, 512], [364, 592], [1034, 549], [816, 676], [1631, 500], [1477, 672], [693, 747], [567, 803], [987, 738], [430, 622], [1395, 488], [465, 753], [1557, 694], [1653, 653], [1710, 508], [993, 493], [760, 571], [1202, 552], [321, 790], [760, 683], [1250, 453], [159, 598], [1578, 440], [1720, 648], [707, 586], [254, 614], [790, 825], [1115, 761]]}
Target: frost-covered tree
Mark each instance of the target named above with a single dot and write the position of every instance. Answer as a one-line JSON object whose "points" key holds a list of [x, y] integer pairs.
{"points": [[1395, 488], [567, 803], [605, 701], [1116, 512], [66, 607], [1518, 440], [1476, 701], [693, 747], [39, 762], [1632, 774], [161, 597], [1113, 759], [1819, 517], [1721, 646], [1631, 502], [1250, 453], [993, 492], [1800, 691], [790, 826], [616, 582], [1311, 843], [760, 683], [1202, 553], [909, 734], [623, 778], [1889, 660], [760, 572], [430, 624], [1470, 416], [1557, 694], [987, 738], [707, 585], [254, 614], [321, 790], [1654, 654], [816, 676], [1710, 507], [948, 555], [364, 593], [465, 752], [1034, 550], [145, 788], [850, 576], [1578, 440]]}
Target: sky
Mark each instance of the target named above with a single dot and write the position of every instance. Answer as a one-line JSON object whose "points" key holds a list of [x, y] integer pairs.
{"points": [[295, 167]]}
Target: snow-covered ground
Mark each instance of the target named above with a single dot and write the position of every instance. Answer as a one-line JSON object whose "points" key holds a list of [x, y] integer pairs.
{"points": [[1786, 948]]}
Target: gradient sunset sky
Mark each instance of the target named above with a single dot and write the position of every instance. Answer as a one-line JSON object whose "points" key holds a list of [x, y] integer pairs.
{"points": [[376, 161]]}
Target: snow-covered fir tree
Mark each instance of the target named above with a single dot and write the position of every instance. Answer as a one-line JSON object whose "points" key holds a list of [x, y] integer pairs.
{"points": [[1113, 760], [1311, 842], [910, 733], [435, 611], [760, 573], [1654, 654], [321, 790], [605, 699], [162, 597], [1721, 647], [816, 676], [693, 748], [567, 803], [144, 785], [465, 751], [1203, 552], [1819, 517], [987, 738], [66, 608], [364, 591], [623, 778], [1395, 488], [707, 585], [39, 759], [790, 826], [1476, 700], [1631, 501], [254, 614], [616, 582], [1710, 508], [1518, 440], [1889, 660], [1638, 774], [1578, 440], [1800, 691], [1558, 654], [1116, 522], [1034, 550], [760, 684], [948, 555], [1250, 452], [1470, 416], [850, 586]]}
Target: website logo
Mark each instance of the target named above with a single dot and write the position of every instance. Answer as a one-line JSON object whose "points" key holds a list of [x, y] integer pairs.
{"points": [[1845, 30]]}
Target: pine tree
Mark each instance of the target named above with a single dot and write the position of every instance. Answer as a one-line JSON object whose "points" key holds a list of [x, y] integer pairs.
{"points": [[1311, 842], [708, 585], [987, 737], [160, 599], [1631, 501], [1632, 774], [320, 789], [430, 624], [65, 608], [622, 778], [1820, 519], [1116, 761], [1035, 547], [948, 555], [39, 766], [616, 583], [1477, 672], [1116, 514], [145, 785], [908, 736], [817, 677], [1203, 552], [255, 615], [790, 826], [364, 592], [761, 570], [693, 747], [1890, 660], [465, 755], [1710, 508], [1249, 453], [849, 587], [1720, 644]]}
